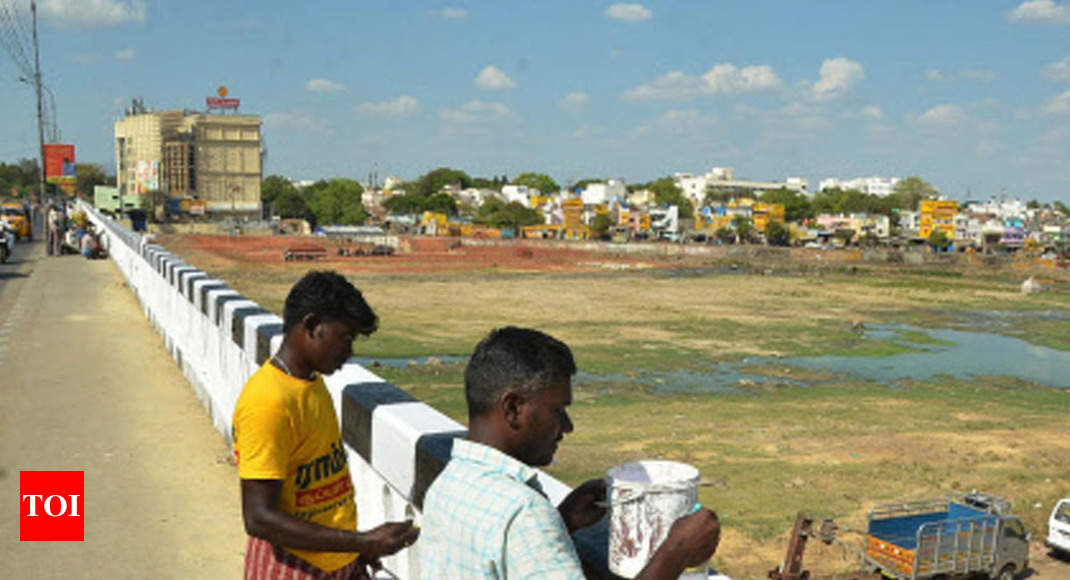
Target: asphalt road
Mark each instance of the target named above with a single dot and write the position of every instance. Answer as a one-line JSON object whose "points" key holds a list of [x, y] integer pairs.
{"points": [[86, 385]]}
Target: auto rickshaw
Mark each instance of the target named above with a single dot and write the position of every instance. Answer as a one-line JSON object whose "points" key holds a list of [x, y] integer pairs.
{"points": [[18, 217]]}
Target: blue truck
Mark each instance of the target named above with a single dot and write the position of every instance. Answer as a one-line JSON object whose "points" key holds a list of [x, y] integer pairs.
{"points": [[964, 535]]}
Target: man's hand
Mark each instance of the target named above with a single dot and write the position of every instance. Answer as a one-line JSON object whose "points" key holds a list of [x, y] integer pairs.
{"points": [[366, 568], [584, 506], [695, 536], [387, 539]]}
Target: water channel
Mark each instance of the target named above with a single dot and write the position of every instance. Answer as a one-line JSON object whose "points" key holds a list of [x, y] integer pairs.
{"points": [[962, 354]]}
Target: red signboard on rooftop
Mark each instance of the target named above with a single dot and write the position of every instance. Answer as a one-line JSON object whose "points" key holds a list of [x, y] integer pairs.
{"points": [[222, 103]]}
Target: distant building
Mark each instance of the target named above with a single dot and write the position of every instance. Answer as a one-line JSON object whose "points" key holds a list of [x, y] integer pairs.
{"points": [[879, 186], [695, 187], [599, 193], [191, 155]]}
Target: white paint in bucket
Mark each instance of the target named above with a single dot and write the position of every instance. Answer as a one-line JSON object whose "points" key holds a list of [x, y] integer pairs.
{"points": [[645, 498]]}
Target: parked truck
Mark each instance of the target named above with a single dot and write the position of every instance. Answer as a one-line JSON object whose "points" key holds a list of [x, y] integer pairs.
{"points": [[1059, 527], [959, 536]]}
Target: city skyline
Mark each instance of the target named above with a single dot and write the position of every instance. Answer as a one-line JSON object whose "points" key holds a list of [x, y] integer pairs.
{"points": [[974, 98]]}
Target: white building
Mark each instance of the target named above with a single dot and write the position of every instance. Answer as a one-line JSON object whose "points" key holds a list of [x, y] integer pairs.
{"points": [[596, 193], [1003, 209], [879, 186], [696, 186], [518, 193]]}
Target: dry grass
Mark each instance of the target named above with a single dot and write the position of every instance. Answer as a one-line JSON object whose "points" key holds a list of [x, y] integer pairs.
{"points": [[833, 450]]}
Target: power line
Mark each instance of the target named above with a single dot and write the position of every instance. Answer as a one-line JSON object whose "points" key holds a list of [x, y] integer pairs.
{"points": [[12, 41]]}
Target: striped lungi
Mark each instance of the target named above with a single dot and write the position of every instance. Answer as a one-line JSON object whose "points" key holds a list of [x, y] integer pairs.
{"points": [[264, 561]]}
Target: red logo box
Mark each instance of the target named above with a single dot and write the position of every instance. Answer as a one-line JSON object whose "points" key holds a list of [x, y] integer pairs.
{"points": [[52, 506]]}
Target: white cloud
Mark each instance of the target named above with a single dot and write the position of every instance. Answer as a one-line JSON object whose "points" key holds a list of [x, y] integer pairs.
{"points": [[1041, 11], [74, 13], [867, 113], [296, 122], [86, 59], [125, 54], [494, 79], [454, 13], [1058, 105], [629, 12], [721, 79], [838, 75], [399, 107], [476, 111], [942, 116], [1058, 71], [575, 101], [677, 122], [324, 86], [968, 74], [978, 75]]}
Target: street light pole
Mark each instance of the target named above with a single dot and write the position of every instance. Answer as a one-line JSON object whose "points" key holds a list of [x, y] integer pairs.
{"points": [[40, 109]]}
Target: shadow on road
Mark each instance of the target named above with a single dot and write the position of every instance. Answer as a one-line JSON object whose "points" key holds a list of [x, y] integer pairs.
{"points": [[9, 275]]}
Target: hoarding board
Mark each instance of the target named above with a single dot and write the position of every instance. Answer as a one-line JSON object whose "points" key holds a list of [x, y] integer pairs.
{"points": [[59, 163], [222, 103]]}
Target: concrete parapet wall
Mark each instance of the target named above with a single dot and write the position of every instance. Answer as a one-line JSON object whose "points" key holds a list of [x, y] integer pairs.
{"points": [[396, 445]]}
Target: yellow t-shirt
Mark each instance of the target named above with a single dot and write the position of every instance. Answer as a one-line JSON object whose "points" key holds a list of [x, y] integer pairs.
{"points": [[286, 428]]}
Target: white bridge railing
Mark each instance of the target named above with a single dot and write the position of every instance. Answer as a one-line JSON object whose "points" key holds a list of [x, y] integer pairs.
{"points": [[395, 444]]}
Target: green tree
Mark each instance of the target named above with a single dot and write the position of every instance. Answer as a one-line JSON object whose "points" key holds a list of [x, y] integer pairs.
{"points": [[845, 235], [667, 192], [745, 231], [21, 176], [601, 225], [336, 201], [796, 205], [908, 192], [540, 181], [583, 183], [1032, 204], [404, 204], [441, 202], [292, 205], [485, 213], [514, 215], [939, 240], [89, 175], [153, 203], [275, 186], [777, 234], [725, 234], [434, 181], [1061, 208], [717, 195]]}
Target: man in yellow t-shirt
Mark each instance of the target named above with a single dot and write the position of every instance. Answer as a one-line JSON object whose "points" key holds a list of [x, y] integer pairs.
{"points": [[297, 495]]}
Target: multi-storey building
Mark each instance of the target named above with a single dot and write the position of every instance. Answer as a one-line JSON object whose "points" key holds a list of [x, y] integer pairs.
{"points": [[191, 155], [879, 186], [723, 179]]}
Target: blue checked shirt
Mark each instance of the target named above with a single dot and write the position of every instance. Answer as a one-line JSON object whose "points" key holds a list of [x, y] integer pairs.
{"points": [[486, 516]]}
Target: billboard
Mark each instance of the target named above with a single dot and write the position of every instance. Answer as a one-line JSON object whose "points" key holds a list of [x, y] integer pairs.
{"points": [[147, 176], [59, 163]]}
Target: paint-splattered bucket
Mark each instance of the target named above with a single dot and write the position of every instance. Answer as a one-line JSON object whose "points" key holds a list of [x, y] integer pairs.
{"points": [[645, 498]]}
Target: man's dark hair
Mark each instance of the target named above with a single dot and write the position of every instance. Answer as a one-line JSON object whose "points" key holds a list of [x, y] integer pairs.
{"points": [[330, 297], [521, 359]]}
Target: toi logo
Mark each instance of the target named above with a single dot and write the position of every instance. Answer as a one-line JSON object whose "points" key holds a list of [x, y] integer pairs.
{"points": [[51, 506]]}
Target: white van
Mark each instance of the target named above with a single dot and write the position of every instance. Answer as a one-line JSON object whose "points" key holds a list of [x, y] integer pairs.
{"points": [[1059, 527]]}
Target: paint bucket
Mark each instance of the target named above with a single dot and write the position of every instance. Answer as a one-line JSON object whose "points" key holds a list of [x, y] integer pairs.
{"points": [[645, 498]]}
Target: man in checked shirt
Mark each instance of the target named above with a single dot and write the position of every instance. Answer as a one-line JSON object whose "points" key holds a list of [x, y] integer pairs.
{"points": [[486, 516]]}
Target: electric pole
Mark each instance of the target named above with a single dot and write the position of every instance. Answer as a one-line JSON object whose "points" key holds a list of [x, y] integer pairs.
{"points": [[40, 110]]}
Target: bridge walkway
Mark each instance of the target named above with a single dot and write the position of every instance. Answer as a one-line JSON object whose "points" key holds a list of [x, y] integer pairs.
{"points": [[86, 385]]}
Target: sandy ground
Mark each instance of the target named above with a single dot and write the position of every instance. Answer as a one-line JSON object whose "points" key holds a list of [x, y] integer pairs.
{"points": [[87, 385], [440, 296]]}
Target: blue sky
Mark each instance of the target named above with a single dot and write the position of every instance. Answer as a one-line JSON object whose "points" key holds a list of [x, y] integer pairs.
{"points": [[973, 96]]}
